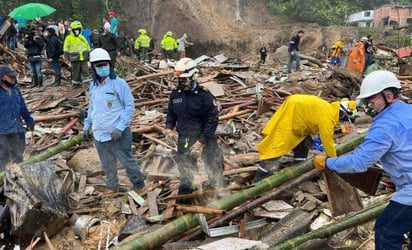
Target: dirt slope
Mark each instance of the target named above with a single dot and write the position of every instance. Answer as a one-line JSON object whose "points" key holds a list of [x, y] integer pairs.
{"points": [[234, 27]]}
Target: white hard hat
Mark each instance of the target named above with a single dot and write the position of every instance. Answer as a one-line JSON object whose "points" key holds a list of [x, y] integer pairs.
{"points": [[98, 55], [185, 67], [364, 39], [376, 82]]}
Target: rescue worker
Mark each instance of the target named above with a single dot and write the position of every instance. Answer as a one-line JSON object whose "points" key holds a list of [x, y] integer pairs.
{"points": [[357, 57], [76, 52], [13, 111], [194, 113], [388, 140], [109, 42], [293, 51], [337, 51], [292, 126], [142, 44], [169, 46], [110, 111]]}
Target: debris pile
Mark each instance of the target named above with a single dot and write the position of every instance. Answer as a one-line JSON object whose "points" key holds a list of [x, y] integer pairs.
{"points": [[248, 95]]}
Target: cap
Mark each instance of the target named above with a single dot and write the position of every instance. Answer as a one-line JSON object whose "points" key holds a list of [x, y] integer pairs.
{"points": [[7, 70]]}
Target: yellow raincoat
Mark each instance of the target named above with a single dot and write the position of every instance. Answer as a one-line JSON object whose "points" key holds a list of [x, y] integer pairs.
{"points": [[298, 117]]}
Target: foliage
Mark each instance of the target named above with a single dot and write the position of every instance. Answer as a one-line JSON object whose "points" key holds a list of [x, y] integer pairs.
{"points": [[325, 12]]}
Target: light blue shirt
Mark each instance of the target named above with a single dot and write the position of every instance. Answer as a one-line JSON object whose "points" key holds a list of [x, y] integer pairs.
{"points": [[111, 107], [182, 44], [389, 140]]}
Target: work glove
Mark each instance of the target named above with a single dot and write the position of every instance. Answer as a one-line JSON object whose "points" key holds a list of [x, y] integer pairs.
{"points": [[116, 134], [196, 150], [170, 137], [82, 114], [86, 135], [320, 162]]}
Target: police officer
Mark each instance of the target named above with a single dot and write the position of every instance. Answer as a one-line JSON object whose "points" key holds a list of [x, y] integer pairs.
{"points": [[194, 113]]}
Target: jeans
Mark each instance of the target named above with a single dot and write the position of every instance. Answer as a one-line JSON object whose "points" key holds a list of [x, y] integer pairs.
{"points": [[390, 226], [294, 57], [35, 68], [121, 150], [56, 67], [11, 148]]}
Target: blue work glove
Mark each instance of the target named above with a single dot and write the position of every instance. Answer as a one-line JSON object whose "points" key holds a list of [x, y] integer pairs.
{"points": [[86, 135], [116, 134]]}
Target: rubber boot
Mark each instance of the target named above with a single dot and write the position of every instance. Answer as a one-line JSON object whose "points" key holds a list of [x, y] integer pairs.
{"points": [[33, 82], [57, 81], [40, 81]]}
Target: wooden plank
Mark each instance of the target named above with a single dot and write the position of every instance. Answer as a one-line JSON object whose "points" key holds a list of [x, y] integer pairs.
{"points": [[168, 213], [132, 205], [152, 203], [339, 192], [82, 184]]}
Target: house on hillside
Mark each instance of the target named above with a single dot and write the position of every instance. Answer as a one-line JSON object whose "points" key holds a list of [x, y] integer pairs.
{"points": [[393, 16], [361, 19], [385, 16]]}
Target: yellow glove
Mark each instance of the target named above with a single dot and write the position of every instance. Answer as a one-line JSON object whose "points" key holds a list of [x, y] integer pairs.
{"points": [[320, 162]]}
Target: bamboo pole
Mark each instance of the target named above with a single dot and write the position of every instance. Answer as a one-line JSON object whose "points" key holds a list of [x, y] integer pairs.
{"points": [[54, 117], [356, 219], [172, 229]]}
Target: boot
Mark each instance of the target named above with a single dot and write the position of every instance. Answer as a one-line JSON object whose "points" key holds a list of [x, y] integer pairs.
{"points": [[40, 81], [57, 81], [33, 82]]}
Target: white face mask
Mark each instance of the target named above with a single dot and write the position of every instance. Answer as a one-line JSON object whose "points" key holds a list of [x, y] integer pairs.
{"points": [[76, 32]]}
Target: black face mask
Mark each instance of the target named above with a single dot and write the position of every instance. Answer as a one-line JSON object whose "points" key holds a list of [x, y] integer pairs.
{"points": [[7, 83]]}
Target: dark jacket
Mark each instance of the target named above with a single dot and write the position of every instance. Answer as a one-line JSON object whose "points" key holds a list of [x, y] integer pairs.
{"points": [[295, 45], [34, 46], [54, 47], [109, 42], [13, 111], [193, 112]]}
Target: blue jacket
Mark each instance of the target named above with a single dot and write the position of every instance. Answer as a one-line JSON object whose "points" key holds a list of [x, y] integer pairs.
{"points": [[389, 140], [13, 110], [111, 107], [193, 112]]}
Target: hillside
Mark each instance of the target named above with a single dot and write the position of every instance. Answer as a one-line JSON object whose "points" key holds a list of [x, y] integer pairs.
{"points": [[236, 28]]}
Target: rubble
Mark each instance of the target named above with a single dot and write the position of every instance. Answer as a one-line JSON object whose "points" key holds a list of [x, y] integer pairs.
{"points": [[248, 95]]}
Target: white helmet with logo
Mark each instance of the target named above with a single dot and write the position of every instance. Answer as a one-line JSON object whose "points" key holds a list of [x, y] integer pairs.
{"points": [[98, 55], [185, 67], [376, 82]]}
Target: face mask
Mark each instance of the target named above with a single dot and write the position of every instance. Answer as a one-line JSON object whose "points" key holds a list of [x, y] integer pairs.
{"points": [[76, 32], [370, 109], [103, 71], [185, 84], [7, 83]]}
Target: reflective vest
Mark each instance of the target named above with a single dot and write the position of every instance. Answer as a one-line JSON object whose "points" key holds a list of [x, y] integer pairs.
{"points": [[76, 47], [142, 41], [169, 43]]}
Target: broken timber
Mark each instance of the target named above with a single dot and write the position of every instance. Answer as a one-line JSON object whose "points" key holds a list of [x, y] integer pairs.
{"points": [[174, 228]]}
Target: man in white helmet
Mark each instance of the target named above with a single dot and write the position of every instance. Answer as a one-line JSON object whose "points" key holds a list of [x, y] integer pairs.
{"points": [[194, 113], [388, 140], [110, 111]]}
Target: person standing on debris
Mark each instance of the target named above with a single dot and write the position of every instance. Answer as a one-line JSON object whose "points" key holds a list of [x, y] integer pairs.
{"points": [[142, 44], [292, 126], [34, 45], [109, 42], [169, 46], [13, 111], [76, 52], [114, 23], [388, 140], [357, 57], [54, 49], [337, 51], [293, 51], [183, 43], [109, 114], [369, 50], [194, 113], [263, 54]]}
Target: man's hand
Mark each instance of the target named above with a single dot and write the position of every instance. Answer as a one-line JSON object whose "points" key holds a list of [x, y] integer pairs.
{"points": [[116, 134], [320, 162], [86, 135], [170, 137], [82, 114], [196, 150]]}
